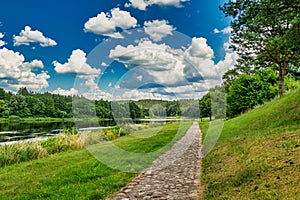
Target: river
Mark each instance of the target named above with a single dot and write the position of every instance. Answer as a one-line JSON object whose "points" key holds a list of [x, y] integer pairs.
{"points": [[11, 132], [16, 131]]}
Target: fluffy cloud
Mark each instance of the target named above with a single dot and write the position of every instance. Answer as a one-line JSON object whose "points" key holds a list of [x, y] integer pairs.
{"points": [[135, 94], [153, 60], [103, 64], [158, 29], [94, 92], [28, 36], [182, 72], [76, 65], [230, 60], [200, 49], [71, 92], [198, 61], [176, 3], [2, 43], [16, 73], [226, 30], [139, 4], [142, 4], [106, 23]]}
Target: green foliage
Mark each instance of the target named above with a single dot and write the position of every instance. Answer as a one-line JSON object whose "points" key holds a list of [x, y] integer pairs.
{"points": [[205, 106], [4, 109], [173, 108], [14, 118], [265, 33], [135, 111], [114, 133], [247, 91], [291, 83], [213, 104], [70, 130]]}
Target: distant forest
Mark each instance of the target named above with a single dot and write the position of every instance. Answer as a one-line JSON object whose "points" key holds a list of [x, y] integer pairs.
{"points": [[239, 93], [26, 104]]}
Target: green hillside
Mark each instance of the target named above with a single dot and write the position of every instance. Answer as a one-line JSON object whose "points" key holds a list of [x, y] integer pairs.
{"points": [[258, 154]]}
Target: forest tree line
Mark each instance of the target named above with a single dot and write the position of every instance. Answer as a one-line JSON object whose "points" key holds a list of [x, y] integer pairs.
{"points": [[26, 104]]}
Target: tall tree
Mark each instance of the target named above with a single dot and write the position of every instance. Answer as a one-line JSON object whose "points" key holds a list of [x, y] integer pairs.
{"points": [[266, 32]]}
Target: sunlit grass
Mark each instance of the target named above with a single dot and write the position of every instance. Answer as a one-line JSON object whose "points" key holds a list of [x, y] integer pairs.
{"points": [[257, 155], [77, 174]]}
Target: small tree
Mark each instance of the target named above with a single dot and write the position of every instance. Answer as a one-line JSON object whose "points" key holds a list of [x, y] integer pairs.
{"points": [[266, 32]]}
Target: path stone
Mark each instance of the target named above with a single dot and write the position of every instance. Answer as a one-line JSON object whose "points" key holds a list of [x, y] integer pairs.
{"points": [[174, 175]]}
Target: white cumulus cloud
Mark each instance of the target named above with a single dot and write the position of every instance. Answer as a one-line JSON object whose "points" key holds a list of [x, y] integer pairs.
{"points": [[158, 29], [158, 61], [139, 4], [28, 36], [16, 73], [71, 92], [226, 30], [107, 23], [94, 92], [76, 65], [230, 60], [178, 71], [143, 4], [2, 43]]}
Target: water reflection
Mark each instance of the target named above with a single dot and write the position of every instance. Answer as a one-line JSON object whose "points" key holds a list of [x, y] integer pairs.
{"points": [[14, 131]]}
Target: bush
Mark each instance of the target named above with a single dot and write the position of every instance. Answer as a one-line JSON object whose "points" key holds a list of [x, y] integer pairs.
{"points": [[63, 142], [114, 133], [14, 118]]}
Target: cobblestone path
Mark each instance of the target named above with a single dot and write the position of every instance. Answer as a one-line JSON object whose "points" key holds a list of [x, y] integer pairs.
{"points": [[174, 175]]}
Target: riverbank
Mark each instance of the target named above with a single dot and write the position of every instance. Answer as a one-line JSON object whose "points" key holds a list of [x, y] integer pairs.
{"points": [[38, 119], [77, 174], [49, 119]]}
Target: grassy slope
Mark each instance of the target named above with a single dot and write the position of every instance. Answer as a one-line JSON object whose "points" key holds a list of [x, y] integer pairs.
{"points": [[77, 174], [258, 154]]}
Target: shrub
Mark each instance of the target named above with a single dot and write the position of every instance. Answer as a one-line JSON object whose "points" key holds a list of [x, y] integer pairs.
{"points": [[114, 132], [63, 142], [14, 118]]}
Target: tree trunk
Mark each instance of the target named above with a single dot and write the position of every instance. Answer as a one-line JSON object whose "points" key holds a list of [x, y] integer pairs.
{"points": [[282, 71], [281, 82]]}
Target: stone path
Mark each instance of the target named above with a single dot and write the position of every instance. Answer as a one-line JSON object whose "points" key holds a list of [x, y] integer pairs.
{"points": [[174, 175]]}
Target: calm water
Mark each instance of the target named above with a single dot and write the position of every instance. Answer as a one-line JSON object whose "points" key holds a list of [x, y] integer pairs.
{"points": [[11, 132], [27, 130]]}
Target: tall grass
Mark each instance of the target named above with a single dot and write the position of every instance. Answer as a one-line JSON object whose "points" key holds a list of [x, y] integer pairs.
{"points": [[69, 139], [20, 152], [10, 154]]}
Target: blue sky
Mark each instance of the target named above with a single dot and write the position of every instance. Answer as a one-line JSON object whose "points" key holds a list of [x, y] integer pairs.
{"points": [[122, 49]]}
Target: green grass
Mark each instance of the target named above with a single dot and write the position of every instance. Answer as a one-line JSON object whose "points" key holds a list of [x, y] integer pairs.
{"points": [[69, 175], [134, 152], [257, 155], [78, 174]]}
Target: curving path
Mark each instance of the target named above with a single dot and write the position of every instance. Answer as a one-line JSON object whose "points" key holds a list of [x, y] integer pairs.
{"points": [[174, 175]]}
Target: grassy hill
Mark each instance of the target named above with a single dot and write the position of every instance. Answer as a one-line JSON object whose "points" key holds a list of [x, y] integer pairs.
{"points": [[258, 154]]}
